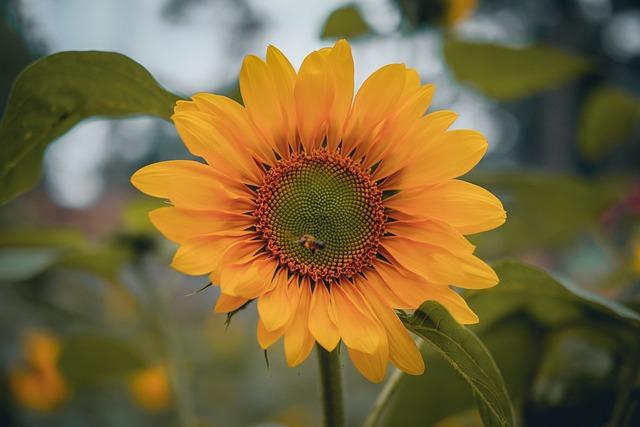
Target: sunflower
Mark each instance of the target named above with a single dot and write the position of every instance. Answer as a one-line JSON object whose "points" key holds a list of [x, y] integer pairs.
{"points": [[332, 211]]}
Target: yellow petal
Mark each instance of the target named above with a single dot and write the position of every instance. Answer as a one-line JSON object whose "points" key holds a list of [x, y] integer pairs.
{"points": [[232, 122], [314, 94], [467, 207], [431, 232], [358, 327], [340, 63], [298, 341], [259, 94], [284, 78], [431, 262], [402, 349], [455, 153], [321, 326], [274, 306], [181, 225], [224, 155], [455, 305], [201, 255], [228, 303], [372, 366], [417, 139], [373, 103], [267, 338], [477, 273], [248, 279]]}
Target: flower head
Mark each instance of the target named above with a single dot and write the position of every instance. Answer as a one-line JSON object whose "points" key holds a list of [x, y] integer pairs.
{"points": [[331, 211]]}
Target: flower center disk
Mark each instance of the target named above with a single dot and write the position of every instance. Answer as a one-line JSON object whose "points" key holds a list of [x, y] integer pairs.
{"points": [[321, 215]]}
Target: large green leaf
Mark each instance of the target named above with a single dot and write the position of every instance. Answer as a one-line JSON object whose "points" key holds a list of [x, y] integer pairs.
{"points": [[608, 116], [506, 73], [93, 358], [469, 357], [55, 93], [346, 22]]}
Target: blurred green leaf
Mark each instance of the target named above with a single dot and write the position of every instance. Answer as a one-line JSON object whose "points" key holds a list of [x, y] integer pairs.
{"points": [[557, 206], [469, 357], [105, 262], [26, 251], [42, 237], [346, 22], [54, 93], [608, 116], [94, 358], [506, 73], [524, 288], [17, 265], [135, 217]]}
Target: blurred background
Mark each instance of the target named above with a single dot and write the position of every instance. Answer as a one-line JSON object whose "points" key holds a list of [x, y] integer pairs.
{"points": [[97, 330]]}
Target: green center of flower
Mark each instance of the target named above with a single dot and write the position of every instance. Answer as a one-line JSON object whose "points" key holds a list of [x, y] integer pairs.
{"points": [[321, 215]]}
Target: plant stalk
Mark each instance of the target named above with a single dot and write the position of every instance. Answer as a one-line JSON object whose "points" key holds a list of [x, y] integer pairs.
{"points": [[331, 386]]}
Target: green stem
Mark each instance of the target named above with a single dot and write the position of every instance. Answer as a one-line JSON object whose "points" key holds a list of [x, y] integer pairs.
{"points": [[331, 384]]}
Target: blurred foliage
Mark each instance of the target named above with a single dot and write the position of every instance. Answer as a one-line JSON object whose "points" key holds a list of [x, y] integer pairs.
{"points": [[568, 357], [468, 356], [559, 207], [419, 13], [507, 73], [346, 22], [93, 357], [608, 117], [55, 93]]}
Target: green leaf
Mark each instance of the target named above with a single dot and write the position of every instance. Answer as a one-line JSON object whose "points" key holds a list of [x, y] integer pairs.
{"points": [[531, 199], [506, 73], [531, 290], [469, 357], [92, 358], [17, 265], [608, 117], [55, 93], [345, 22]]}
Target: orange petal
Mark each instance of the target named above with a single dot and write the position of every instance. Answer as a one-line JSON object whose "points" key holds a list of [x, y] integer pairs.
{"points": [[180, 225], [232, 121], [431, 232], [435, 264], [259, 94], [313, 94], [372, 366], [267, 338], [403, 352], [455, 153], [374, 102], [248, 279], [467, 207], [203, 139], [477, 273], [321, 326], [274, 306], [340, 63], [201, 255], [358, 327], [228, 303], [298, 341], [284, 79]]}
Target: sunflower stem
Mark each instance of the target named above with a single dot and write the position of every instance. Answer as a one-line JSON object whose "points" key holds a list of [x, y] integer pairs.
{"points": [[331, 386]]}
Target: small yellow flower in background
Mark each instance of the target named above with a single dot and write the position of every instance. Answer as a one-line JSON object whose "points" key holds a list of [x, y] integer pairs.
{"points": [[459, 10], [635, 254], [150, 388], [331, 211], [38, 384]]}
